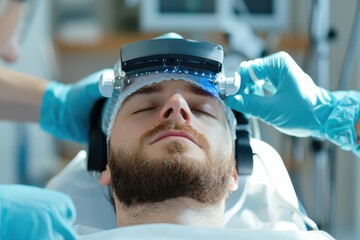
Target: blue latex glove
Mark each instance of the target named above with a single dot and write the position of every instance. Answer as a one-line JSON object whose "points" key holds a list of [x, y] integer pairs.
{"points": [[295, 105], [34, 213], [65, 110]]}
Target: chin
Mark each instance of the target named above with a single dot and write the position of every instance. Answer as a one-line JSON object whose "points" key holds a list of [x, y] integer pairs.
{"points": [[175, 148]]}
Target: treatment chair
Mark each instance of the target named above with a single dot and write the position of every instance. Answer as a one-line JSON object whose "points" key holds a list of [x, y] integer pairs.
{"points": [[265, 199]]}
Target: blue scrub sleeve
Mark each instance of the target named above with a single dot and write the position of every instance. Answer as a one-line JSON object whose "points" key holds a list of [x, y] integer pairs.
{"points": [[339, 127], [34, 213], [66, 108]]}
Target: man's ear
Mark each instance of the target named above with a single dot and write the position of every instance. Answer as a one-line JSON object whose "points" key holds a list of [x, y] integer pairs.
{"points": [[234, 180], [105, 176]]}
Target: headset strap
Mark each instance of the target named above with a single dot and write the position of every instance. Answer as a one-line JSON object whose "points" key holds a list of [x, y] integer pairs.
{"points": [[97, 148], [243, 150]]}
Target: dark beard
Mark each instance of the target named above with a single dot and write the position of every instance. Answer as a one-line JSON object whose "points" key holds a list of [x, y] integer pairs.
{"points": [[137, 178]]}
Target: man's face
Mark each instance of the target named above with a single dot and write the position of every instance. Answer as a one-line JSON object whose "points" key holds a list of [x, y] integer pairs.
{"points": [[169, 140]]}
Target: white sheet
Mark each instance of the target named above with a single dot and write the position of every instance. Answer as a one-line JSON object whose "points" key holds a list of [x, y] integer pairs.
{"points": [[171, 231]]}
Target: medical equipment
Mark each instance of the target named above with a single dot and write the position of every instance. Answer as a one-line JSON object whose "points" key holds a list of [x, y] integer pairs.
{"points": [[324, 154], [352, 49], [174, 56], [209, 15]]}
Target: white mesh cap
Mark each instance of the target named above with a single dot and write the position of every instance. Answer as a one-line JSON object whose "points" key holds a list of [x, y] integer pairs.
{"points": [[113, 105]]}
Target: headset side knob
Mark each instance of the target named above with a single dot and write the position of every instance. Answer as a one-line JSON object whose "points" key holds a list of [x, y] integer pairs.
{"points": [[232, 84], [106, 83]]}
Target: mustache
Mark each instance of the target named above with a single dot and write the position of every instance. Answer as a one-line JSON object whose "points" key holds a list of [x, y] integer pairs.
{"points": [[173, 125]]}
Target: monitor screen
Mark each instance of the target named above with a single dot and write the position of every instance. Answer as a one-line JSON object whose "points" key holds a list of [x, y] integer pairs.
{"points": [[205, 15], [255, 7], [187, 7]]}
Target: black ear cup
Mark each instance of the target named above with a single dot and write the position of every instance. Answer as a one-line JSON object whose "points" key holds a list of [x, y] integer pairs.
{"points": [[243, 150], [97, 149]]}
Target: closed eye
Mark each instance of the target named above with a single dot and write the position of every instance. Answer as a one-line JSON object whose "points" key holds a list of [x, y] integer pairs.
{"points": [[202, 112], [144, 110]]}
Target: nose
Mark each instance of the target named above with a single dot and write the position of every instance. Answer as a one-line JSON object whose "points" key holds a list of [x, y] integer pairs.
{"points": [[176, 109]]}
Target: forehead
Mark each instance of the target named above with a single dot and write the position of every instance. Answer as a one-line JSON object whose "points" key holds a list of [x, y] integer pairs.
{"points": [[170, 86], [175, 85]]}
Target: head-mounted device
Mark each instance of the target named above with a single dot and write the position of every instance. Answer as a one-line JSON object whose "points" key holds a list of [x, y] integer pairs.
{"points": [[178, 56]]}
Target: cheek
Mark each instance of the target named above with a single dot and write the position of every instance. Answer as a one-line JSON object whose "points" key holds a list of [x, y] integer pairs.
{"points": [[129, 127], [219, 137], [123, 133]]}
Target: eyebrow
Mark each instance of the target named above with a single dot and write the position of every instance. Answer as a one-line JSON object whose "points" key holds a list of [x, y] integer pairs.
{"points": [[198, 91], [159, 88], [146, 90]]}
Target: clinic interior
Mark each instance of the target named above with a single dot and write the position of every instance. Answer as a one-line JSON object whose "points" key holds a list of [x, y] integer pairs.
{"points": [[75, 38]]}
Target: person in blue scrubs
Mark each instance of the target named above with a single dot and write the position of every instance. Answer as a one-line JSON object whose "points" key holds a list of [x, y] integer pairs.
{"points": [[28, 212], [276, 90]]}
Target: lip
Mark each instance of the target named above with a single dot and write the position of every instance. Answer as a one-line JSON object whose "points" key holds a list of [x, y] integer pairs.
{"points": [[172, 133]]}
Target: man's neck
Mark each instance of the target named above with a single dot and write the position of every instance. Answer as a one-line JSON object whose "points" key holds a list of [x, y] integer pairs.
{"points": [[184, 211]]}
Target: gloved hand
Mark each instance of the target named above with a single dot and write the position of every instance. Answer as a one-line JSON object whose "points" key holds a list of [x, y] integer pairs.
{"points": [[34, 213], [65, 110], [296, 106]]}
